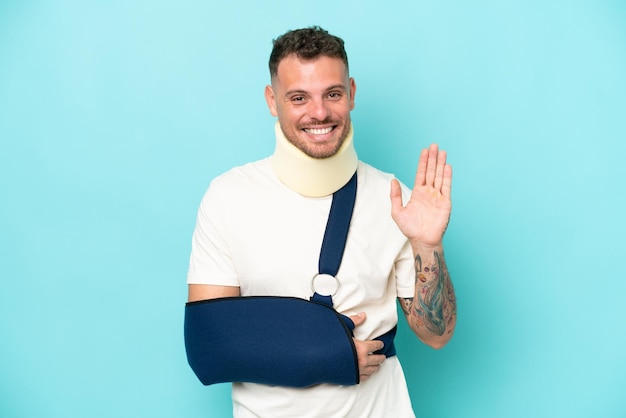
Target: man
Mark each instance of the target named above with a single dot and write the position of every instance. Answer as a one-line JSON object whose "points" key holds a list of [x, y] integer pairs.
{"points": [[260, 227]]}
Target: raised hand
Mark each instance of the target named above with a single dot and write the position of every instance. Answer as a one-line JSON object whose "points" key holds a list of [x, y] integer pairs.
{"points": [[425, 216]]}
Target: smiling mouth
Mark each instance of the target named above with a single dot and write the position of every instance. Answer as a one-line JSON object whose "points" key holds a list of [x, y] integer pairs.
{"points": [[319, 131]]}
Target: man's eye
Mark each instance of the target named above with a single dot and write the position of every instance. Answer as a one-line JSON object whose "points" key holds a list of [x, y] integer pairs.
{"points": [[334, 95], [297, 99]]}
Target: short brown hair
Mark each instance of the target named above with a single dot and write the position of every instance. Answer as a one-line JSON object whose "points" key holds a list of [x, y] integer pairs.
{"points": [[308, 43]]}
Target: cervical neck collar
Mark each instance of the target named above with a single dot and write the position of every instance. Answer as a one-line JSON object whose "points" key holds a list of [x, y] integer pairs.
{"points": [[313, 177]]}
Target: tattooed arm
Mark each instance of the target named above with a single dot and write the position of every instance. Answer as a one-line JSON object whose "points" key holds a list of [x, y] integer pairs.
{"points": [[431, 313]]}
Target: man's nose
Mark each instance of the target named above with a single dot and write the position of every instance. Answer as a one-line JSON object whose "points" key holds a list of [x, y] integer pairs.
{"points": [[319, 110]]}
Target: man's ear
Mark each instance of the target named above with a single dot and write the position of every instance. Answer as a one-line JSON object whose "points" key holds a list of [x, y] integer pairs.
{"points": [[270, 98], [352, 92]]}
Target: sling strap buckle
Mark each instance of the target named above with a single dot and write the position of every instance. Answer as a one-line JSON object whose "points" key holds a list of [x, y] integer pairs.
{"points": [[325, 284]]}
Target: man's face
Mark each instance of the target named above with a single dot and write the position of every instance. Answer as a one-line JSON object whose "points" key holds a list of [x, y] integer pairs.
{"points": [[312, 100]]}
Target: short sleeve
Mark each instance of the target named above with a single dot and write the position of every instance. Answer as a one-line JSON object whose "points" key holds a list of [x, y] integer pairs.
{"points": [[405, 263], [210, 261]]}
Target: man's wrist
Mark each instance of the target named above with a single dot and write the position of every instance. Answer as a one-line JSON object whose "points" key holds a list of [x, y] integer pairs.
{"points": [[420, 247]]}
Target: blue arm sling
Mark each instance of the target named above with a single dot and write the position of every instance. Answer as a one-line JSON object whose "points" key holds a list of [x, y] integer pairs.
{"points": [[283, 341]]}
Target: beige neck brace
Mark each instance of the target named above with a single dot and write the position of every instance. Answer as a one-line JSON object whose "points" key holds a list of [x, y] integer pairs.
{"points": [[313, 177]]}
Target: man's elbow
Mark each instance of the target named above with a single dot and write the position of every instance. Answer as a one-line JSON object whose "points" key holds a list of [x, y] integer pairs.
{"points": [[437, 342], [437, 345]]}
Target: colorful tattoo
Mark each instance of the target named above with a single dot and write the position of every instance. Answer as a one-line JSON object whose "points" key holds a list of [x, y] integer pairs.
{"points": [[435, 307], [406, 304], [431, 299], [418, 264]]}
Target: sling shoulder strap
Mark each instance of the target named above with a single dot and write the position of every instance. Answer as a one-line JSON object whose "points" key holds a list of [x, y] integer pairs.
{"points": [[337, 227], [333, 246]]}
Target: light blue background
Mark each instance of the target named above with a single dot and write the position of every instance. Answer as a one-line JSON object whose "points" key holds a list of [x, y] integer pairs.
{"points": [[115, 115]]}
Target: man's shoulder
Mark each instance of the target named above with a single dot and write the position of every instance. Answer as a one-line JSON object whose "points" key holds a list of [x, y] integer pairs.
{"points": [[244, 174], [371, 174], [378, 181], [241, 182]]}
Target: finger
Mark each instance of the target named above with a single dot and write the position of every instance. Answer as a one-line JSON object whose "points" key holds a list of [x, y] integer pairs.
{"points": [[446, 188], [441, 163], [371, 363], [396, 197], [374, 345], [376, 360], [365, 349], [358, 319], [364, 377], [431, 165], [420, 175], [367, 373]]}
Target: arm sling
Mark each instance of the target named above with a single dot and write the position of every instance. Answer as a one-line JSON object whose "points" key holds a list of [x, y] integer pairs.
{"points": [[275, 340]]}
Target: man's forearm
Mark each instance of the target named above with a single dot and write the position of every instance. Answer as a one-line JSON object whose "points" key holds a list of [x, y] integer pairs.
{"points": [[432, 311]]}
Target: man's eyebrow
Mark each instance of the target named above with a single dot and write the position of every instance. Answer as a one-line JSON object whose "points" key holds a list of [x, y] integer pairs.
{"points": [[296, 91], [304, 92], [337, 87]]}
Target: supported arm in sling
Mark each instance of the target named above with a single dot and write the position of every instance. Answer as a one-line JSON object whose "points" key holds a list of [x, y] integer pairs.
{"points": [[270, 340]]}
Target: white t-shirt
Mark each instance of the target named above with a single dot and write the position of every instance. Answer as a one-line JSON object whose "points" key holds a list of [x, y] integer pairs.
{"points": [[254, 232]]}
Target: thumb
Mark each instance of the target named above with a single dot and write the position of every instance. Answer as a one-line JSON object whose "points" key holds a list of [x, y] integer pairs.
{"points": [[396, 196], [358, 319]]}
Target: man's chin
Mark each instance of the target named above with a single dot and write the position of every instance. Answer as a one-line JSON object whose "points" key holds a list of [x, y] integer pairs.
{"points": [[321, 154], [322, 150]]}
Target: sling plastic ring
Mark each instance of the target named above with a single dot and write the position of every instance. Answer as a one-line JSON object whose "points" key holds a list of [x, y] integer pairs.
{"points": [[325, 284]]}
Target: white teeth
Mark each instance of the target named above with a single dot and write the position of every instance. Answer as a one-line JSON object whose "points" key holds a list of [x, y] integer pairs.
{"points": [[319, 131]]}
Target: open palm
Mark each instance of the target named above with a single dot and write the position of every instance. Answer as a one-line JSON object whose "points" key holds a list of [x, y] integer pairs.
{"points": [[425, 216]]}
